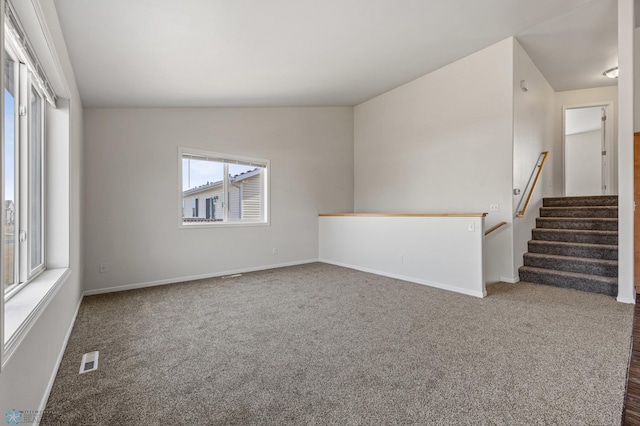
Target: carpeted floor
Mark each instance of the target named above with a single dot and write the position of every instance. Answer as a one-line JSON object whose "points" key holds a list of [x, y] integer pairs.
{"points": [[320, 344]]}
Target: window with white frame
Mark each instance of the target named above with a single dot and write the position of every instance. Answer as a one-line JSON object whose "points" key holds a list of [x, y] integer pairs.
{"points": [[23, 163], [218, 189]]}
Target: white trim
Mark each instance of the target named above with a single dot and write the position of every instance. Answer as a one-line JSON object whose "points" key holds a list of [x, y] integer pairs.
{"points": [[195, 277], [32, 302], [53, 52], [510, 280], [410, 279], [54, 373], [626, 300]]}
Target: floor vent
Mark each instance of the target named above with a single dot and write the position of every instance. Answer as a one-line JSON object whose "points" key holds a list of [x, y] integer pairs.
{"points": [[89, 362]]}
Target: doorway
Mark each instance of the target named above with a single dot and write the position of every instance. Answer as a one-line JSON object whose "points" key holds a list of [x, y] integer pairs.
{"points": [[587, 136]]}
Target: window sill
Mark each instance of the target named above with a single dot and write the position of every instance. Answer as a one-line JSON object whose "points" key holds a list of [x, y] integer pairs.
{"points": [[24, 308], [221, 224]]}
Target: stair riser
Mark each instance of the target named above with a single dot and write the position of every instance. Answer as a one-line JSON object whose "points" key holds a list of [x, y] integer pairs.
{"points": [[574, 237], [573, 251], [611, 200], [594, 225], [590, 285], [572, 265], [602, 212]]}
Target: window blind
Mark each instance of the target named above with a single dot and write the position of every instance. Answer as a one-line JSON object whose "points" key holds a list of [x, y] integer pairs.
{"points": [[223, 160], [19, 41]]}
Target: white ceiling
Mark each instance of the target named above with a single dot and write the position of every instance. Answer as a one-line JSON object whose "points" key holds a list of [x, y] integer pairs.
{"points": [[168, 53]]}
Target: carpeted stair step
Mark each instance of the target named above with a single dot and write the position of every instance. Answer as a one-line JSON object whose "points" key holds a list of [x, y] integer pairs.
{"points": [[572, 280], [580, 211], [596, 200], [596, 224], [561, 248], [576, 236], [605, 268]]}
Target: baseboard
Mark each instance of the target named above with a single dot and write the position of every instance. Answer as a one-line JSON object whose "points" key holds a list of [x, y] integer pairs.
{"points": [[52, 379], [194, 277], [510, 280], [631, 301], [409, 279]]}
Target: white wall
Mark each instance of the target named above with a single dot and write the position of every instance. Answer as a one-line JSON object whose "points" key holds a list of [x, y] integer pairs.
{"points": [[636, 73], [25, 379], [533, 125], [132, 189], [442, 252], [626, 30], [443, 142], [583, 162]]}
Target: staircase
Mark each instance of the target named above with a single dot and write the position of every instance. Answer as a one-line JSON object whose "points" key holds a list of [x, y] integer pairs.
{"points": [[575, 245]]}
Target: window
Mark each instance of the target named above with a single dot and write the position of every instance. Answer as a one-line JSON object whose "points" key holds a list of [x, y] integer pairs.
{"points": [[22, 176], [218, 189]]}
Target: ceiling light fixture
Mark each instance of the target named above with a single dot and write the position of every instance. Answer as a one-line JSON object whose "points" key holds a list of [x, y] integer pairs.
{"points": [[611, 73]]}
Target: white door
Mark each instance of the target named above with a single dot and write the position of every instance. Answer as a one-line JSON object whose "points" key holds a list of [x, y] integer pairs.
{"points": [[585, 151]]}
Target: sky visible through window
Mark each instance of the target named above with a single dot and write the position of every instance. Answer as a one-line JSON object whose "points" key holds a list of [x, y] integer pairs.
{"points": [[9, 145], [198, 172]]}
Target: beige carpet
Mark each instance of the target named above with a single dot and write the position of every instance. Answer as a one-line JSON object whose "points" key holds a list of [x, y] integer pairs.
{"points": [[319, 344]]}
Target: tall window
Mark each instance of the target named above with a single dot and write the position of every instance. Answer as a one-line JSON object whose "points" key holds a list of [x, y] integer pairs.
{"points": [[22, 174], [220, 189]]}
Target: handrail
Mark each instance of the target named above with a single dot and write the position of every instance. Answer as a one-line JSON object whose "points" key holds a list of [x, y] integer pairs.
{"points": [[490, 230], [539, 165]]}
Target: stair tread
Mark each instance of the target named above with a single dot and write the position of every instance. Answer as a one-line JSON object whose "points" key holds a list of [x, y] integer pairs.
{"points": [[611, 280], [581, 219], [593, 200], [570, 244], [573, 258], [580, 207], [591, 231]]}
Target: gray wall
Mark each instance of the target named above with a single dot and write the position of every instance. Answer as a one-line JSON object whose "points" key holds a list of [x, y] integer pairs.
{"points": [[132, 189]]}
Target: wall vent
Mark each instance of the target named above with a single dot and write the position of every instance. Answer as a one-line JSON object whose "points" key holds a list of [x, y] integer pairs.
{"points": [[89, 362]]}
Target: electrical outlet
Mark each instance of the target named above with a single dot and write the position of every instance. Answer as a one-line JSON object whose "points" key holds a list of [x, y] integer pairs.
{"points": [[494, 207], [103, 267], [400, 258], [471, 227], [275, 250]]}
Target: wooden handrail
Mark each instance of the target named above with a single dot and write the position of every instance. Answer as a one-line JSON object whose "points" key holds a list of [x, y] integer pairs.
{"points": [[490, 230], [545, 154]]}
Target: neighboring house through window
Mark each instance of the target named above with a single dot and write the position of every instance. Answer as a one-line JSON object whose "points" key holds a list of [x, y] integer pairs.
{"points": [[232, 189]]}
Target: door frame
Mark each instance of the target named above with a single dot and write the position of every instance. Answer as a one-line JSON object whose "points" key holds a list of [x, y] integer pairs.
{"points": [[610, 144]]}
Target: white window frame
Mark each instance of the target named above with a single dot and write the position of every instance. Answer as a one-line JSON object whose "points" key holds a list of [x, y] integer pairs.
{"points": [[265, 164], [23, 197]]}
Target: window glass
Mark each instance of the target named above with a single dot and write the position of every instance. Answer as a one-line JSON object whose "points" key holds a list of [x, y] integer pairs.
{"points": [[9, 225], [216, 189]]}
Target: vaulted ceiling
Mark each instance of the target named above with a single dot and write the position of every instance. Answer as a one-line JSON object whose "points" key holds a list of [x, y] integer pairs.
{"points": [[161, 53]]}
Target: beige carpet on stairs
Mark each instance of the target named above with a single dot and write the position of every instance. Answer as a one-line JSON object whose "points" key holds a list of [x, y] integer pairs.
{"points": [[320, 344]]}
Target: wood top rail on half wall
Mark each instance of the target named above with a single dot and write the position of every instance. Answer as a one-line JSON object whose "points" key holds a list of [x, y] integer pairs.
{"points": [[405, 214]]}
